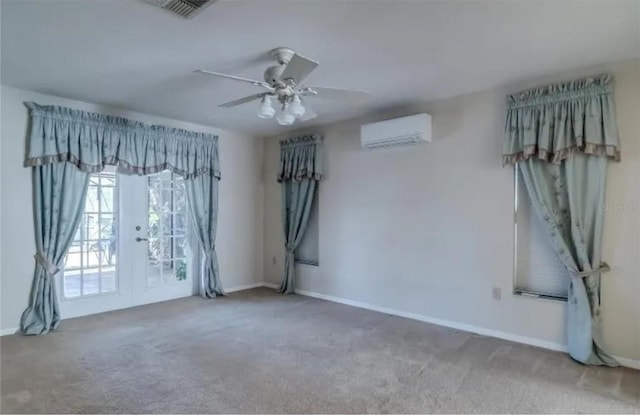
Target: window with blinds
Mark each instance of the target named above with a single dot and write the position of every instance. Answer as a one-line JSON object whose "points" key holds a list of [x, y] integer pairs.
{"points": [[538, 270], [307, 252]]}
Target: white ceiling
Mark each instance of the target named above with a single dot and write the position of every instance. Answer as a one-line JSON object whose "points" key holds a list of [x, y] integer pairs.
{"points": [[130, 54]]}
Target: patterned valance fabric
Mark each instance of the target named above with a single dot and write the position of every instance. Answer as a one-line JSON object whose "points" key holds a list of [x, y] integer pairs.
{"points": [[90, 141], [301, 158], [554, 122]]}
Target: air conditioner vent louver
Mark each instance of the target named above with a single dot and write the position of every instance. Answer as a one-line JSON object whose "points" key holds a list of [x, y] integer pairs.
{"points": [[183, 8]]}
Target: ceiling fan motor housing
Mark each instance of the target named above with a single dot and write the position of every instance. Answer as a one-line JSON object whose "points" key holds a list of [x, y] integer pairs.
{"points": [[282, 55], [272, 75]]}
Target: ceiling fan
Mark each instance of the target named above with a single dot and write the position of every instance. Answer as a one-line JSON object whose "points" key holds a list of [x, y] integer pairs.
{"points": [[283, 83]]}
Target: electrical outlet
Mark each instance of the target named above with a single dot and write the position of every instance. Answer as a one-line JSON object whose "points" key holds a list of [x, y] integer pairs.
{"points": [[496, 293]]}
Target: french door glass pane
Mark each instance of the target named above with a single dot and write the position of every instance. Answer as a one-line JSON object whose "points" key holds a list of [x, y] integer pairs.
{"points": [[93, 256], [91, 205], [72, 284], [167, 248], [91, 283], [167, 227], [92, 226], [90, 264], [180, 269], [167, 272], [180, 224], [179, 247], [106, 201]]}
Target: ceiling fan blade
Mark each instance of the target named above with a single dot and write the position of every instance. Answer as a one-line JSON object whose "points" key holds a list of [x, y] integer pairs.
{"points": [[337, 93], [241, 101], [298, 68], [235, 78]]}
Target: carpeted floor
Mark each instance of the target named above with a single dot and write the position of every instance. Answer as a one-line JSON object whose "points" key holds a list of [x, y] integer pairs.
{"points": [[259, 352]]}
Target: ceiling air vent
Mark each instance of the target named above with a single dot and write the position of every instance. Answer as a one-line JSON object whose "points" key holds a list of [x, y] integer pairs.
{"points": [[184, 8]]}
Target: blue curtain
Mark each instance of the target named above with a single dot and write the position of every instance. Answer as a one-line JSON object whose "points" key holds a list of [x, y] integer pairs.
{"points": [[554, 122], [65, 146], [59, 192], [301, 168], [562, 136], [91, 141], [202, 197], [297, 199]]}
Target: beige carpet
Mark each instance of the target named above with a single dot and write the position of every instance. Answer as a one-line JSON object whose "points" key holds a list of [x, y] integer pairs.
{"points": [[259, 352]]}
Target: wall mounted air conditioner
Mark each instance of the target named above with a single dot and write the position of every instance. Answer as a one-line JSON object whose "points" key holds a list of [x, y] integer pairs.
{"points": [[405, 131]]}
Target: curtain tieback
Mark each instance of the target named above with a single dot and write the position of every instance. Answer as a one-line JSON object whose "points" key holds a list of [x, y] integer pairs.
{"points": [[48, 267], [604, 267]]}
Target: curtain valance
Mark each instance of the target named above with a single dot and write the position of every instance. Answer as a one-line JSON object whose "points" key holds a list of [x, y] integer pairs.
{"points": [[301, 158], [90, 141], [554, 122]]}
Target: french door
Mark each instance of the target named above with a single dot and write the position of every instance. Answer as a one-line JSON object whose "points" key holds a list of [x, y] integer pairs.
{"points": [[132, 245], [156, 245]]}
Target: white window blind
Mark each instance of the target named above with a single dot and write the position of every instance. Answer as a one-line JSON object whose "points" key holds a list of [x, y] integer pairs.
{"points": [[538, 269], [307, 252]]}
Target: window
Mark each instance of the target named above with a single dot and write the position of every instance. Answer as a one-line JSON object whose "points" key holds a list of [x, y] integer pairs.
{"points": [[538, 270], [167, 229], [90, 264], [307, 251]]}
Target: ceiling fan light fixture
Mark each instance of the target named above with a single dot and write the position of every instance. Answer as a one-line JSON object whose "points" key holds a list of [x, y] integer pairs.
{"points": [[296, 108], [285, 117], [266, 109]]}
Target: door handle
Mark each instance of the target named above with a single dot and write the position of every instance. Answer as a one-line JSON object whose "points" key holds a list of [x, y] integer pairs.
{"points": [[139, 239]]}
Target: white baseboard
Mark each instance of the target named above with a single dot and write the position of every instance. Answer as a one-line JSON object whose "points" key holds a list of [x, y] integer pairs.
{"points": [[626, 362], [270, 285], [244, 287], [632, 363], [440, 322], [7, 332]]}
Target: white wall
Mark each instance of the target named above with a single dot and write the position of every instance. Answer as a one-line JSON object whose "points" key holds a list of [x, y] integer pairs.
{"points": [[429, 229], [239, 239]]}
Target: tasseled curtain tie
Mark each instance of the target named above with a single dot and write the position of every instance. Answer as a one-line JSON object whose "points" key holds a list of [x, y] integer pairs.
{"points": [[604, 267], [48, 267]]}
